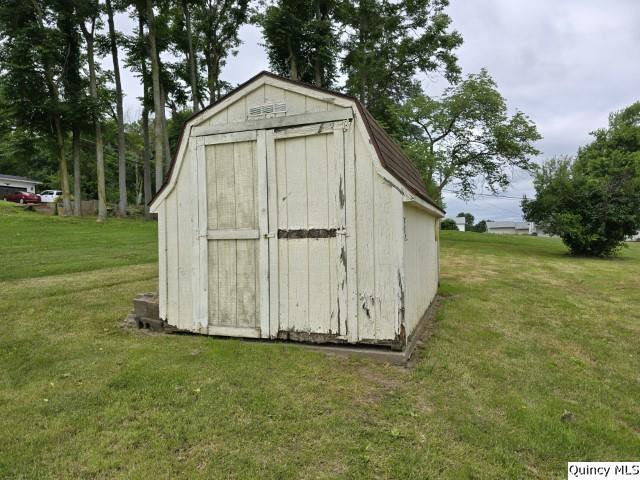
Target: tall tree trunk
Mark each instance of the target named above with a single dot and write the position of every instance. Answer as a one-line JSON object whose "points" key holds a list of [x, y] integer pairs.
{"points": [[157, 97], [57, 122], [122, 163], [293, 62], [317, 67], [146, 172], [193, 68], [317, 62], [62, 163], [165, 135], [146, 163], [75, 154], [93, 90]]}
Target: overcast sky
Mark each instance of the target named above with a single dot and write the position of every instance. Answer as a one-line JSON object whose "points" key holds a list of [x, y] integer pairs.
{"points": [[565, 63]]}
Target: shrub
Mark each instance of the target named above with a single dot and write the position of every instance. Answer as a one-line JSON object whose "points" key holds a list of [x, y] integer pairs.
{"points": [[448, 224]]}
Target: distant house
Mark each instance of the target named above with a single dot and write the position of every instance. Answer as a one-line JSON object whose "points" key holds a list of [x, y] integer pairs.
{"points": [[12, 183], [511, 228], [461, 223]]}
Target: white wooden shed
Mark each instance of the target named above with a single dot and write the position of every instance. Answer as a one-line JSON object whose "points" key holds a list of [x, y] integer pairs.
{"points": [[289, 213]]}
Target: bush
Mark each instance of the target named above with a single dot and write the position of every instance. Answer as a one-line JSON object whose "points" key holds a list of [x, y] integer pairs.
{"points": [[448, 224], [593, 203]]}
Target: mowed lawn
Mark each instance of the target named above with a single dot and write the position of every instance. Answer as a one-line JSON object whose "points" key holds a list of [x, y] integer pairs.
{"points": [[534, 361]]}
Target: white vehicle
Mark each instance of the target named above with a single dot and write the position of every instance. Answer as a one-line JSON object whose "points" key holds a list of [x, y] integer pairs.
{"points": [[50, 196]]}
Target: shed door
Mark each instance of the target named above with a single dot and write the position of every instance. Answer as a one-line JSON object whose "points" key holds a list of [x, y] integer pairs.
{"points": [[307, 250], [232, 237]]}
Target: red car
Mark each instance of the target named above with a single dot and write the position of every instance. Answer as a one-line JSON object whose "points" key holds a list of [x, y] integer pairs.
{"points": [[22, 197]]}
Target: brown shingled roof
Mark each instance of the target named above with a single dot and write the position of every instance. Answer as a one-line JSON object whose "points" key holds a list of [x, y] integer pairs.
{"points": [[391, 156]]}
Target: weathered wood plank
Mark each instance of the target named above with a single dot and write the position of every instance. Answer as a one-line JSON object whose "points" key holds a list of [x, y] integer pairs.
{"points": [[226, 331], [282, 310], [351, 227], [214, 284], [227, 282], [317, 182], [298, 284], [295, 193], [246, 283], [276, 122], [244, 176], [366, 247], [203, 261], [317, 129], [261, 193], [341, 260], [271, 183], [162, 261], [230, 138], [319, 285], [173, 281], [234, 234], [185, 212], [225, 186]]}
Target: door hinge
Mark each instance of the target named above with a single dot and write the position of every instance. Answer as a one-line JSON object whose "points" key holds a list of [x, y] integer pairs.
{"points": [[269, 235]]}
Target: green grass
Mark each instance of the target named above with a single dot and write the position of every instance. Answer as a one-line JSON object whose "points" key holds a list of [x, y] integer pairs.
{"points": [[525, 335]]}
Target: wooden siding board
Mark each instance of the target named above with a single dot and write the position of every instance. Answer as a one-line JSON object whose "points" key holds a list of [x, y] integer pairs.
{"points": [[340, 224], [173, 285], [162, 261], [420, 264], [272, 225], [262, 208], [227, 282], [246, 283], [185, 213], [352, 231], [202, 240], [365, 221], [225, 186]]}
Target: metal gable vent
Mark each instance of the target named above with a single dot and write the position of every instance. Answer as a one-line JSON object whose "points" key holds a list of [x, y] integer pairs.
{"points": [[267, 109]]}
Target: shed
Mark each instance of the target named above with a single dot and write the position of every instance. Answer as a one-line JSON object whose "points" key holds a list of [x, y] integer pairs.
{"points": [[288, 213], [12, 183]]}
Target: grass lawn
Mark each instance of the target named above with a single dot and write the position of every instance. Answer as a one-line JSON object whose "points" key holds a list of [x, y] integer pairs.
{"points": [[534, 361]]}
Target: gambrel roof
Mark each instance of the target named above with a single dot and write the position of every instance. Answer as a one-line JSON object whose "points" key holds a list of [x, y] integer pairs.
{"points": [[390, 154]]}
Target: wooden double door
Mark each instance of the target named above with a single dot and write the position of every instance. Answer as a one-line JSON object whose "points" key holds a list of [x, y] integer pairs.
{"points": [[272, 232]]}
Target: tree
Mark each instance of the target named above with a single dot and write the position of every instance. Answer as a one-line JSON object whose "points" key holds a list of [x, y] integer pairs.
{"points": [[468, 220], [388, 43], [593, 202], [93, 14], [122, 165], [480, 227], [448, 224], [158, 103], [74, 86], [217, 23], [301, 39], [33, 52], [185, 41], [466, 137]]}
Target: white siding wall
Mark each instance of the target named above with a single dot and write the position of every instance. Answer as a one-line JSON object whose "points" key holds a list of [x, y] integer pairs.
{"points": [[176, 230], [379, 246], [420, 264]]}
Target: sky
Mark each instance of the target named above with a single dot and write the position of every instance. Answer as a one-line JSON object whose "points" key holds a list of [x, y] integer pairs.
{"points": [[565, 63]]}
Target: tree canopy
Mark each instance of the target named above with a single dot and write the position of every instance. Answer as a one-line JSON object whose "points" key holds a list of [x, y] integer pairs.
{"points": [[466, 138], [593, 201]]}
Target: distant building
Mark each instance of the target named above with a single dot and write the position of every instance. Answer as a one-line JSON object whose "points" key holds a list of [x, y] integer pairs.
{"points": [[12, 183], [511, 228], [461, 223]]}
